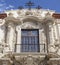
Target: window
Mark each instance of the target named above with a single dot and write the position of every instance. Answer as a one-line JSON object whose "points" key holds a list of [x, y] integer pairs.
{"points": [[30, 40]]}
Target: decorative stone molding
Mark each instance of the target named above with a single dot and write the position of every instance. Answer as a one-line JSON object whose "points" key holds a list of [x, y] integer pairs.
{"points": [[2, 22], [10, 14], [25, 13], [26, 59], [55, 48], [28, 13], [29, 25], [49, 59]]}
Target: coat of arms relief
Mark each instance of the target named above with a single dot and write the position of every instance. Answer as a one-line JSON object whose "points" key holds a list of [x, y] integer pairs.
{"points": [[27, 60]]}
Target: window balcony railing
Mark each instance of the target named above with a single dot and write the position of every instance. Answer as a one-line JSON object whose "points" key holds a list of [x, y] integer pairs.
{"points": [[42, 48]]}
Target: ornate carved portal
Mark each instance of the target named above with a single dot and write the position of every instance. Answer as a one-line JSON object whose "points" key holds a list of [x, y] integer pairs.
{"points": [[29, 19], [32, 25]]}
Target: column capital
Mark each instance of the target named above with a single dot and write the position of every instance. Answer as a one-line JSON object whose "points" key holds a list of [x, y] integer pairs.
{"points": [[18, 28], [11, 24]]}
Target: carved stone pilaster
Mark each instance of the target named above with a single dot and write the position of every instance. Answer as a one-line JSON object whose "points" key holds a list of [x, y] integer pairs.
{"points": [[55, 31], [11, 36], [2, 30], [51, 46], [42, 40], [54, 41], [2, 35], [18, 29]]}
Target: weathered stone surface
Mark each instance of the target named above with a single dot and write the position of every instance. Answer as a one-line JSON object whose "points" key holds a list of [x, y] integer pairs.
{"points": [[49, 35]]}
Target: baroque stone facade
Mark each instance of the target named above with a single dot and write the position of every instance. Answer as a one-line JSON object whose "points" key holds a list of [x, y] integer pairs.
{"points": [[48, 24]]}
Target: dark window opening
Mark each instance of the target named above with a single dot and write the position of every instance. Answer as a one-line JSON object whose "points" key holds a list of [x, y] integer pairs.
{"points": [[30, 40]]}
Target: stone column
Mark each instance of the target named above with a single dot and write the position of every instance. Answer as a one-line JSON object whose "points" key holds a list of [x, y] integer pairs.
{"points": [[18, 29], [10, 36], [55, 30], [46, 34], [56, 40], [2, 34], [58, 31], [42, 40], [51, 33], [2, 30]]}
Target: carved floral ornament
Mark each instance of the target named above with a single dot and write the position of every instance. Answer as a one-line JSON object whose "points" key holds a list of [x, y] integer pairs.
{"points": [[27, 15], [22, 13]]}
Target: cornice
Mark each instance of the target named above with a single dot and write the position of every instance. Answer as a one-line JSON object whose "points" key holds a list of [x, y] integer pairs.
{"points": [[19, 16], [12, 19]]}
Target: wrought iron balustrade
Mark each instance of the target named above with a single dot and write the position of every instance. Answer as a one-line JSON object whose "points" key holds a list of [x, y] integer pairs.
{"points": [[30, 48]]}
